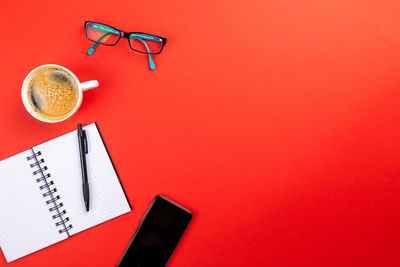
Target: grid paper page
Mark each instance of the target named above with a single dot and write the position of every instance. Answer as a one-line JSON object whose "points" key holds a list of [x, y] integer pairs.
{"points": [[107, 199], [25, 221]]}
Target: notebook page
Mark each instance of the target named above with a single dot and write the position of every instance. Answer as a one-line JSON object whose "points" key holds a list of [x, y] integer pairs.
{"points": [[107, 199], [26, 224]]}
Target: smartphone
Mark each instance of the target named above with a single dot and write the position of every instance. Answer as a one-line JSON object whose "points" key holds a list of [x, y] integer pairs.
{"points": [[158, 234]]}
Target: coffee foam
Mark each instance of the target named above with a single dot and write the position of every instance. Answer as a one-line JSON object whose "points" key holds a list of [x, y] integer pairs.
{"points": [[52, 93]]}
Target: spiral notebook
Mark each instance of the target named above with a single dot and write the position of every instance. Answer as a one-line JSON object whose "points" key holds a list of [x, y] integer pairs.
{"points": [[41, 199]]}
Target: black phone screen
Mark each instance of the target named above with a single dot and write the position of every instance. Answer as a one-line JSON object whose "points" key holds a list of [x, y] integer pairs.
{"points": [[157, 235]]}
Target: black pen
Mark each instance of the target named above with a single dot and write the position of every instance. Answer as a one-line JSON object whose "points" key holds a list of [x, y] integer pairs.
{"points": [[83, 150]]}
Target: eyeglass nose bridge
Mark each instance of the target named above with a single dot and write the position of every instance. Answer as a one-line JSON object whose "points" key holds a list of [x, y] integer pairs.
{"points": [[124, 34]]}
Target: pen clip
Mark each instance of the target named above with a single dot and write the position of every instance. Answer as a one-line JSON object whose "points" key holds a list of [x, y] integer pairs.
{"points": [[85, 144]]}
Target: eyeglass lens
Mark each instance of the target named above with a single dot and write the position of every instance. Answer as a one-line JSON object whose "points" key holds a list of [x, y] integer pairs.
{"points": [[145, 43], [102, 34]]}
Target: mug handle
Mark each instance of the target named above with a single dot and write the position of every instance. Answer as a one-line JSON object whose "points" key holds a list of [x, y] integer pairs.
{"points": [[89, 85]]}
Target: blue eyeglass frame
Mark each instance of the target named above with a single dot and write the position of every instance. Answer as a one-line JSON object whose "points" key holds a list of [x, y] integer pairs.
{"points": [[141, 36]]}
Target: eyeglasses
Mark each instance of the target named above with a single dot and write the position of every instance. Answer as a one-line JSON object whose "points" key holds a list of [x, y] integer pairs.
{"points": [[140, 42]]}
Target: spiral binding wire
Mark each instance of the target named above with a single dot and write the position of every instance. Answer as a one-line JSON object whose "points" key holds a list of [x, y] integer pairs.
{"points": [[50, 193]]}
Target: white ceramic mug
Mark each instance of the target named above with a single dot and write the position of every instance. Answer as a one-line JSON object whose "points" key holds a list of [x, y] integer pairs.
{"points": [[81, 87]]}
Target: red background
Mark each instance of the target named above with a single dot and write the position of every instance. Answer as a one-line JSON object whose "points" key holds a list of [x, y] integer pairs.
{"points": [[276, 122]]}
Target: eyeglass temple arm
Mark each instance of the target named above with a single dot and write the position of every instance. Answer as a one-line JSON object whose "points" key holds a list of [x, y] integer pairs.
{"points": [[146, 37], [151, 62], [138, 35], [91, 50]]}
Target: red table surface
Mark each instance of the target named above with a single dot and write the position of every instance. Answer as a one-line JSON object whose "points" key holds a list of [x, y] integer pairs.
{"points": [[276, 122]]}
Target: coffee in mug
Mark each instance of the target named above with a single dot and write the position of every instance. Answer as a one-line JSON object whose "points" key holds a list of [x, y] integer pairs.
{"points": [[52, 93]]}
